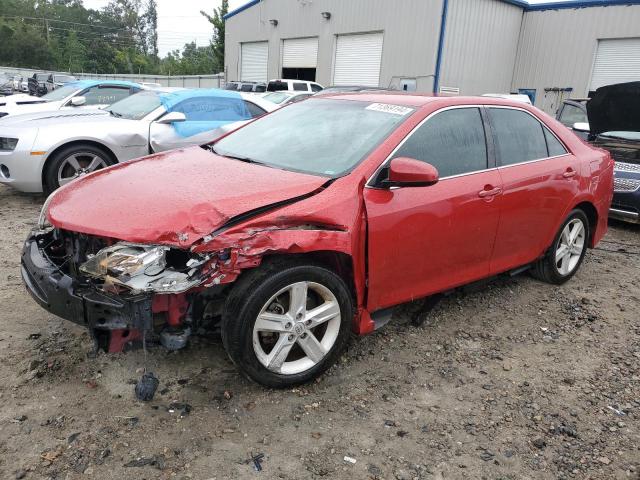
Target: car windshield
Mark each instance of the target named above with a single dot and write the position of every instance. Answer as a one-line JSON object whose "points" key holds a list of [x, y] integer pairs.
{"points": [[136, 106], [277, 97], [322, 137], [634, 136], [60, 93]]}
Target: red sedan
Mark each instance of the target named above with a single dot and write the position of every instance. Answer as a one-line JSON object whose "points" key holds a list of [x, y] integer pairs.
{"points": [[312, 221]]}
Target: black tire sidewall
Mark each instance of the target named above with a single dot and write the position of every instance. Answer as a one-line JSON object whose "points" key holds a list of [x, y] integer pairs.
{"points": [[50, 183], [237, 329], [579, 214]]}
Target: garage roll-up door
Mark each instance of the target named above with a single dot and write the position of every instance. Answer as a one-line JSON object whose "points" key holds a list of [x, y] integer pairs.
{"points": [[300, 53], [358, 59], [617, 61], [253, 61]]}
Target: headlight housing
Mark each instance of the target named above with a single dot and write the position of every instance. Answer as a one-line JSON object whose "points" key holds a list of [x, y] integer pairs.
{"points": [[43, 220], [8, 144], [142, 268]]}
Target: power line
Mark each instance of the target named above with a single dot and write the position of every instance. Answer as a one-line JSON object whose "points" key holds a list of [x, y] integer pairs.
{"points": [[41, 19]]}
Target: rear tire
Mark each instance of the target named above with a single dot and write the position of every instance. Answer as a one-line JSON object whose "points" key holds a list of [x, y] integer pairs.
{"points": [[564, 257], [72, 162], [276, 341]]}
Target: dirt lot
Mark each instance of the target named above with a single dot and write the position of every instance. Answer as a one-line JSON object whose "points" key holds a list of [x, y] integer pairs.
{"points": [[515, 380]]}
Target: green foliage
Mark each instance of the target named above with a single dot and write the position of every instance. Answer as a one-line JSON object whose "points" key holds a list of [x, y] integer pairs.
{"points": [[63, 35], [217, 42]]}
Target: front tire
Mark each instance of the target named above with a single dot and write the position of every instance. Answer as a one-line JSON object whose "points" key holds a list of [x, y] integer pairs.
{"points": [[286, 323], [72, 162], [563, 259]]}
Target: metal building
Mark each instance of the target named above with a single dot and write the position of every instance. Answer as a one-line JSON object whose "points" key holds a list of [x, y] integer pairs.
{"points": [[470, 47]]}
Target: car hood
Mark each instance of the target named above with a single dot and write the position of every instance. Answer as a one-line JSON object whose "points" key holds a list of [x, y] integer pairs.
{"points": [[56, 117], [615, 108], [173, 198]]}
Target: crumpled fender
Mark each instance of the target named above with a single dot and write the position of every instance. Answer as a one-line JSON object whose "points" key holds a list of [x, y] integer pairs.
{"points": [[325, 222]]}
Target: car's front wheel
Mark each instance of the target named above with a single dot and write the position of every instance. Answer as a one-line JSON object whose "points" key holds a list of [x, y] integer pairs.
{"points": [[565, 256], [73, 162], [286, 323]]}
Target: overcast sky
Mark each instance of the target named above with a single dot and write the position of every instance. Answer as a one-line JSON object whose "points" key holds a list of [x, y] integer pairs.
{"points": [[180, 22]]}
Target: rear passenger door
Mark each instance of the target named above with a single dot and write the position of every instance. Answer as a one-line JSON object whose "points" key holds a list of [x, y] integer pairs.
{"points": [[539, 178], [424, 240]]}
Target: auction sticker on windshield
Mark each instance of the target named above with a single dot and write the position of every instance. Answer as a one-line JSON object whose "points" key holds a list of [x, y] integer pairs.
{"points": [[388, 108]]}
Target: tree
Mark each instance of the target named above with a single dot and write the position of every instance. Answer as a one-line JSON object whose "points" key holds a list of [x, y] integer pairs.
{"points": [[217, 42], [151, 27]]}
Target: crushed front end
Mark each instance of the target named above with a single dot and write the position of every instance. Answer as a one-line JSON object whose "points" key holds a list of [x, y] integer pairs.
{"points": [[118, 290]]}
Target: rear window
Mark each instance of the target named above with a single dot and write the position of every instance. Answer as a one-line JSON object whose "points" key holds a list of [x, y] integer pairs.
{"points": [[519, 136], [453, 141], [276, 86]]}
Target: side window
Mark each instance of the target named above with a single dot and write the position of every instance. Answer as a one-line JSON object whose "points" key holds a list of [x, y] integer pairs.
{"points": [[213, 109], [453, 141], [246, 87], [571, 114], [315, 87], [553, 144], [518, 136], [105, 96], [300, 87], [254, 110]]}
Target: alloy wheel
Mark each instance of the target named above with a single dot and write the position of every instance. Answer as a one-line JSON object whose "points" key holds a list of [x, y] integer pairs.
{"points": [[78, 164], [296, 328], [570, 246]]}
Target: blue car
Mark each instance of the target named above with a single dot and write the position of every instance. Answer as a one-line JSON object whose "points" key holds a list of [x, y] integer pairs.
{"points": [[614, 124]]}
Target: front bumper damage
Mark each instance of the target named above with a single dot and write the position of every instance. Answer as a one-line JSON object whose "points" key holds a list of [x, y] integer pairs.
{"points": [[80, 303], [113, 319]]}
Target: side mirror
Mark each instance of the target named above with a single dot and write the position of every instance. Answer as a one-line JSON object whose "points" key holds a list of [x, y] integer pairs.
{"points": [[581, 127], [172, 117], [78, 101], [409, 172]]}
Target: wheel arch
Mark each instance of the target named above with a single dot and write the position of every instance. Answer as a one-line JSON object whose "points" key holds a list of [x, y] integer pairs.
{"points": [[62, 146], [338, 262], [592, 215]]}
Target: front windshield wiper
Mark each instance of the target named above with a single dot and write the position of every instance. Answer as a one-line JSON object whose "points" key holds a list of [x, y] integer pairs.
{"points": [[235, 157], [115, 114]]}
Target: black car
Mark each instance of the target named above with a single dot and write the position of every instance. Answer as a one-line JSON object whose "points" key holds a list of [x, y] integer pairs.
{"points": [[614, 124]]}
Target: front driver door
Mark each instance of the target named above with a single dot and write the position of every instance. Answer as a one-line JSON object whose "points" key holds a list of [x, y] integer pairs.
{"points": [[427, 239]]}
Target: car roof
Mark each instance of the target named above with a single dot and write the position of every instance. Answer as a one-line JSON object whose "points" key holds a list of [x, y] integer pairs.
{"points": [[418, 100], [93, 83]]}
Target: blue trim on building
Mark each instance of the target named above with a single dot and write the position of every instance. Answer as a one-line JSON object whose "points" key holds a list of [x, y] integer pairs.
{"points": [[241, 9], [443, 28], [518, 3], [580, 4]]}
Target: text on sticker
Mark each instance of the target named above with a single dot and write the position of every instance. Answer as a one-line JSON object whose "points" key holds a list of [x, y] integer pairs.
{"points": [[387, 108]]}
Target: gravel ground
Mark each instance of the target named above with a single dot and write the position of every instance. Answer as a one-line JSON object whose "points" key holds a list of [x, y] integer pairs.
{"points": [[513, 380]]}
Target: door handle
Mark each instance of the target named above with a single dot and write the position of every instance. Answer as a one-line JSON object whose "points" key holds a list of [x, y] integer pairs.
{"points": [[570, 173], [489, 193]]}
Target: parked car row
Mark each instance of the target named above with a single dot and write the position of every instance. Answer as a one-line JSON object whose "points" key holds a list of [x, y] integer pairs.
{"points": [[303, 225], [58, 141]]}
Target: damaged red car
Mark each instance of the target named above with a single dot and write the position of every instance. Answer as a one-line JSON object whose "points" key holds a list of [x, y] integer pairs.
{"points": [[313, 221]]}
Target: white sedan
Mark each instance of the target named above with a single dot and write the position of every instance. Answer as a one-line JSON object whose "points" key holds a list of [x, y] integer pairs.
{"points": [[83, 93]]}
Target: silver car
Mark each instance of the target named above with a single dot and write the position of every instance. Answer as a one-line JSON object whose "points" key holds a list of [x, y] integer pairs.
{"points": [[42, 151]]}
